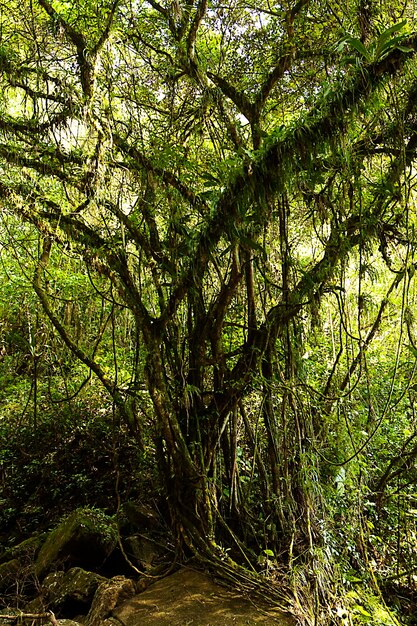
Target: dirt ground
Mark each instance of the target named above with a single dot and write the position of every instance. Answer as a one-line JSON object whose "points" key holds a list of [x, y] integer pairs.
{"points": [[190, 598]]}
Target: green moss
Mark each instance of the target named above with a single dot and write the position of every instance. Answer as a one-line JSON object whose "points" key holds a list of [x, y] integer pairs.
{"points": [[85, 539], [9, 572], [26, 550], [75, 588]]}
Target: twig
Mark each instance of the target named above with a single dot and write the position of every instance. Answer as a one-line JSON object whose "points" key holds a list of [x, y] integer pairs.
{"points": [[49, 616]]}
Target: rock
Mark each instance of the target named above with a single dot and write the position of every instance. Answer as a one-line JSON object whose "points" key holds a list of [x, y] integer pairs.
{"points": [[70, 593], [143, 552], [190, 597], [138, 517], [84, 539], [26, 551], [17, 576], [51, 584], [108, 596], [9, 576]]}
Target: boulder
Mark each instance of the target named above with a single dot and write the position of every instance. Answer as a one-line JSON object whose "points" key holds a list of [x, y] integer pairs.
{"points": [[190, 597], [137, 517], [108, 596], [26, 551], [70, 593], [9, 576], [84, 539], [17, 574], [142, 551]]}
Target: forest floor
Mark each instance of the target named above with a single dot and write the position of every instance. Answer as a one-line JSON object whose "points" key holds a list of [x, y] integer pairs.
{"points": [[191, 598]]}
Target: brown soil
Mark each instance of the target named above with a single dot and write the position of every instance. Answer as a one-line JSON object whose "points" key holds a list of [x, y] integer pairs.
{"points": [[190, 598]]}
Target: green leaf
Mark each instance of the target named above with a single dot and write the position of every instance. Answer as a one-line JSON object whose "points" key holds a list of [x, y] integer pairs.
{"points": [[385, 42], [386, 34], [404, 49], [252, 245], [353, 578], [355, 43], [361, 610], [208, 176]]}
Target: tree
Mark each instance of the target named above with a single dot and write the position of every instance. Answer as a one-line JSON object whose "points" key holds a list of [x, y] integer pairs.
{"points": [[219, 168]]}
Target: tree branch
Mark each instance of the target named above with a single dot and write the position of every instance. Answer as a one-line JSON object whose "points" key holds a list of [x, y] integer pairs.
{"points": [[105, 34], [140, 162], [239, 98], [35, 616], [192, 34], [80, 43]]}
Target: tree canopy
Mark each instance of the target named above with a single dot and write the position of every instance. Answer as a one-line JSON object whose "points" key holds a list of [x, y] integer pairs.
{"points": [[235, 184]]}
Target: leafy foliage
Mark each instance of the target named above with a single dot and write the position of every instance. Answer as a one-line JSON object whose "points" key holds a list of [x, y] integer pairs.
{"points": [[71, 459]]}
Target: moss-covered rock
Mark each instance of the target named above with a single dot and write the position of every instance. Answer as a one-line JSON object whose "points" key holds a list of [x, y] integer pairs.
{"points": [[143, 552], [70, 593], [84, 539], [138, 517], [191, 597], [9, 574], [108, 596], [26, 551]]}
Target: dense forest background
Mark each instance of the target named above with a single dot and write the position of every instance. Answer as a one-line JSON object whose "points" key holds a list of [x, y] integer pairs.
{"points": [[207, 294]]}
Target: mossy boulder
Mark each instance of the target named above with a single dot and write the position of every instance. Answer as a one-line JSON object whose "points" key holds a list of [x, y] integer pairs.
{"points": [[143, 552], [84, 539], [70, 593], [9, 575], [191, 597], [26, 551], [17, 570], [136, 517], [108, 596]]}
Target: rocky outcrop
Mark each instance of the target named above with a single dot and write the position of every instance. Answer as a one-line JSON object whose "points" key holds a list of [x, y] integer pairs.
{"points": [[16, 568], [135, 515], [26, 551], [143, 552], [9, 575], [185, 597], [67, 593], [191, 597], [84, 539], [108, 596]]}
